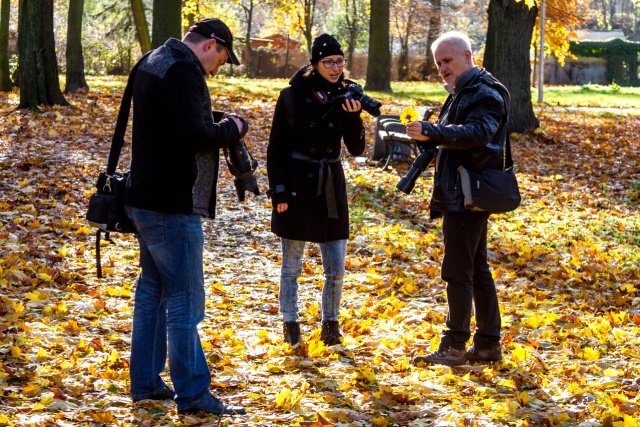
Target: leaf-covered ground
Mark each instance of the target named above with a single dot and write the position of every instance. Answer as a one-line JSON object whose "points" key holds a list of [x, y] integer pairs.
{"points": [[566, 263]]}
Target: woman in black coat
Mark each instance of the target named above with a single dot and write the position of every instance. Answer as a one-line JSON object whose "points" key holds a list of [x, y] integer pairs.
{"points": [[306, 179]]}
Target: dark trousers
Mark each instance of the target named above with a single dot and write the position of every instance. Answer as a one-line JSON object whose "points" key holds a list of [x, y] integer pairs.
{"points": [[469, 282]]}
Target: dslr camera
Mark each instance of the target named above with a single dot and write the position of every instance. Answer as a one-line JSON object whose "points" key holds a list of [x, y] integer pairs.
{"points": [[241, 163], [427, 153], [355, 91]]}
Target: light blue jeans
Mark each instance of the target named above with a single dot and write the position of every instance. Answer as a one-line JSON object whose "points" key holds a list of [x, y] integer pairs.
{"points": [[333, 256], [169, 305]]}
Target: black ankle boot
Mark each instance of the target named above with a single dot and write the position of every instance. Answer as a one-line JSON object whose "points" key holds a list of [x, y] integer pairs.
{"points": [[330, 334], [291, 331]]}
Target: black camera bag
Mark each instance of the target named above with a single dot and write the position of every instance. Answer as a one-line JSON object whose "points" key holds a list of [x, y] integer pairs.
{"points": [[106, 206]]}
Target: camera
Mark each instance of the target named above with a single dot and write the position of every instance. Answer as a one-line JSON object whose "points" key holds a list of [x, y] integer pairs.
{"points": [[242, 166], [427, 153], [355, 91], [241, 163]]}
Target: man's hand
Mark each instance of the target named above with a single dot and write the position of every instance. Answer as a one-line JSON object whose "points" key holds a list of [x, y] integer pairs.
{"points": [[238, 123], [281, 207], [414, 131], [351, 105]]}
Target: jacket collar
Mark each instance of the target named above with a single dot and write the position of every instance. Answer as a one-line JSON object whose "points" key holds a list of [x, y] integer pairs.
{"points": [[182, 49]]}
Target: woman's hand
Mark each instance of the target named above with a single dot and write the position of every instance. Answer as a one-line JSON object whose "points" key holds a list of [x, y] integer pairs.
{"points": [[351, 105], [281, 207], [414, 131]]}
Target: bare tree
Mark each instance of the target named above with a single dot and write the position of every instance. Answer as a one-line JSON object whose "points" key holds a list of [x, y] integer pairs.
{"points": [[142, 27], [39, 80], [5, 78], [75, 59], [379, 63]]}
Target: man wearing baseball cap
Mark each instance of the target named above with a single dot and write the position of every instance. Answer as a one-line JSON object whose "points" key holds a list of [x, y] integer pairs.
{"points": [[172, 184]]}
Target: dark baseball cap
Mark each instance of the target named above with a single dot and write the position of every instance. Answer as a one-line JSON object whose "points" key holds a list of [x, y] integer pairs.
{"points": [[213, 28]]}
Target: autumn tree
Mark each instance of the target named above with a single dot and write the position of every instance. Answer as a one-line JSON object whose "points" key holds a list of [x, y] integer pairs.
{"points": [[248, 9], [354, 18], [75, 59], [39, 82], [506, 56], [379, 61], [406, 16], [142, 27], [5, 78], [435, 28], [167, 20], [305, 14]]}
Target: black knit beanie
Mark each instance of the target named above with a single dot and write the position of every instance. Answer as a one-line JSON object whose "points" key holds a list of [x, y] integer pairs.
{"points": [[324, 45]]}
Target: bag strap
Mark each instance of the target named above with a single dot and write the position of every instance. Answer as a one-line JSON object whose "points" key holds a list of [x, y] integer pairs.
{"points": [[117, 142], [508, 161]]}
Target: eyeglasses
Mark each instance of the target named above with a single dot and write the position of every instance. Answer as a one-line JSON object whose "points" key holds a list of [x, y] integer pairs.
{"points": [[329, 63]]}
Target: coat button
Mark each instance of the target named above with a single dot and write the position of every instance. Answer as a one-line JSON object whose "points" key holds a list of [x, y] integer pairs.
{"points": [[312, 124], [310, 174], [329, 150], [330, 124], [312, 150], [308, 100]]}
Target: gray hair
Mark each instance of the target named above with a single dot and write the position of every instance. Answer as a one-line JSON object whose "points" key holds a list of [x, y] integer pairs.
{"points": [[457, 39]]}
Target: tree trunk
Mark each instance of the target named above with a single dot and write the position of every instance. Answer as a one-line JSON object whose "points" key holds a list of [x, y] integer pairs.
{"points": [[166, 21], [142, 27], [75, 60], [5, 77], [435, 20], [507, 57], [379, 62], [403, 59], [306, 22], [352, 28], [248, 13], [39, 82]]}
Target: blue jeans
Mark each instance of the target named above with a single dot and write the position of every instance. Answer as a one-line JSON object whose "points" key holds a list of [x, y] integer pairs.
{"points": [[169, 304], [470, 285], [333, 255]]}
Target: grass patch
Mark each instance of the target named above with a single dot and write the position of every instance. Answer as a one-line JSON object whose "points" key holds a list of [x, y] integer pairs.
{"points": [[419, 93], [596, 96]]}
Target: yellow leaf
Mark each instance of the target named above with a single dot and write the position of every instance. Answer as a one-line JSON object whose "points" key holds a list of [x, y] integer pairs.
{"points": [[33, 296], [281, 398], [590, 354], [380, 421], [52, 133], [46, 400], [45, 277], [15, 351], [31, 390], [4, 419], [538, 131], [218, 287], [63, 251], [519, 354]]}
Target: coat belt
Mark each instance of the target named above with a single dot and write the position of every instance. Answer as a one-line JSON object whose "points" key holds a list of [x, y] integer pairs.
{"points": [[329, 190]]}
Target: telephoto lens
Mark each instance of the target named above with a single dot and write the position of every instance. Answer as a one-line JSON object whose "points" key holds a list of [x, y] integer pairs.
{"points": [[421, 162]]}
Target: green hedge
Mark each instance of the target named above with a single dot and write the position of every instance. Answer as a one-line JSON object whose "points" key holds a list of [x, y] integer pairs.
{"points": [[621, 57]]}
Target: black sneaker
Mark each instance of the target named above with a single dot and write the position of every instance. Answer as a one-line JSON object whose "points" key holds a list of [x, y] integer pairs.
{"points": [[291, 331], [443, 356], [213, 405], [475, 355], [330, 334], [163, 393]]}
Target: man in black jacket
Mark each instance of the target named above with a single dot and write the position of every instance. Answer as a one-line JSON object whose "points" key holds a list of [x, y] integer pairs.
{"points": [[172, 183], [471, 131]]}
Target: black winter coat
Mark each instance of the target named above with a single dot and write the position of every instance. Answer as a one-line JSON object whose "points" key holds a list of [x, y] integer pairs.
{"points": [[318, 129], [471, 131]]}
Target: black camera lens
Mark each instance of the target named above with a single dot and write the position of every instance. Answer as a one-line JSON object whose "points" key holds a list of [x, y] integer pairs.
{"points": [[370, 105]]}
